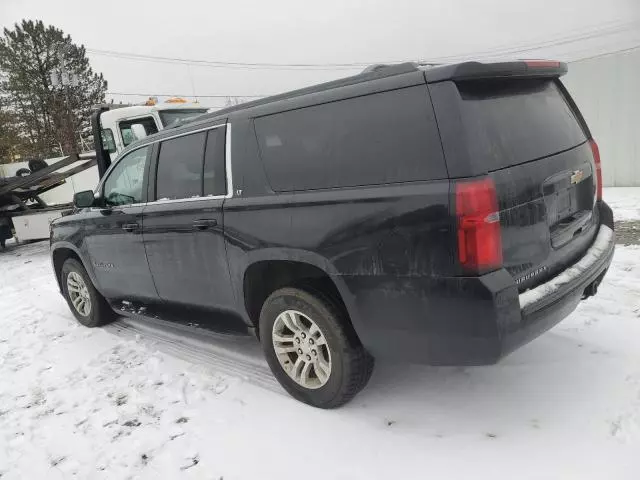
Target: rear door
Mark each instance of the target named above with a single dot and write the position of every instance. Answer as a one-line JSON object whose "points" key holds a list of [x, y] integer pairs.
{"points": [[183, 226], [525, 134]]}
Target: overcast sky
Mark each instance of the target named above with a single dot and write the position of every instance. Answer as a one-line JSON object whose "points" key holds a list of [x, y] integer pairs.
{"points": [[327, 31]]}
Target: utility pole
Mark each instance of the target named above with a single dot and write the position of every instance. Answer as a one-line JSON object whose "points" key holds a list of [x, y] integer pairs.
{"points": [[65, 78]]}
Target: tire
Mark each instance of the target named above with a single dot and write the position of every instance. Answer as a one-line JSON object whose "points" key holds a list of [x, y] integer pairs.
{"points": [[350, 364], [99, 312], [23, 172], [36, 164]]}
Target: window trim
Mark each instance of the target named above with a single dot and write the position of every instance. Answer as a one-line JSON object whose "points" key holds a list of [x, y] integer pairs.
{"points": [[154, 146], [227, 160]]}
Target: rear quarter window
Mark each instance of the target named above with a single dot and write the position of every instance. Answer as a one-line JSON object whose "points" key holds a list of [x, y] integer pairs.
{"points": [[375, 139], [508, 122]]}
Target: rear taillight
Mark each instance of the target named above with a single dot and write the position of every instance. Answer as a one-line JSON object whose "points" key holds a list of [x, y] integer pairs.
{"points": [[479, 243], [596, 159], [542, 63]]}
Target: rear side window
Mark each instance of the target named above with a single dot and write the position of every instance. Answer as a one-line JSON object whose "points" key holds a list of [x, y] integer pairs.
{"points": [[179, 172], [370, 140], [509, 122]]}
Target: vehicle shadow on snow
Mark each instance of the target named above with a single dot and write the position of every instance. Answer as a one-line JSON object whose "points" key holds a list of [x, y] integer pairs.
{"points": [[553, 370]]}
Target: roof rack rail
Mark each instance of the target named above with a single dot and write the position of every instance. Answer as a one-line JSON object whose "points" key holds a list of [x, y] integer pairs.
{"points": [[391, 68]]}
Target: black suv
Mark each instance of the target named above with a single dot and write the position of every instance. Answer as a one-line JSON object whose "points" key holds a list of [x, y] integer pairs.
{"points": [[444, 215]]}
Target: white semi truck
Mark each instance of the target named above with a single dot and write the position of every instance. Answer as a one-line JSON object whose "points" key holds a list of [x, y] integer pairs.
{"points": [[31, 201], [122, 126]]}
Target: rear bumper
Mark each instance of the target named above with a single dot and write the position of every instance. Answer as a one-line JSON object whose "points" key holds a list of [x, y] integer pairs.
{"points": [[544, 306], [477, 320]]}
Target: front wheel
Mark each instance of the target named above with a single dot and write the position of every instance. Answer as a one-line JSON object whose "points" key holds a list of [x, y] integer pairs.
{"points": [[311, 348], [87, 305]]}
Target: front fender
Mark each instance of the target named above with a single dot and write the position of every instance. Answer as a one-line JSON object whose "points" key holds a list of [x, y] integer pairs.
{"points": [[65, 245]]}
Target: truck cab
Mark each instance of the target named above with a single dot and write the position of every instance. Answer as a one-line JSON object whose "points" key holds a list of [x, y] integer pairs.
{"points": [[120, 127]]}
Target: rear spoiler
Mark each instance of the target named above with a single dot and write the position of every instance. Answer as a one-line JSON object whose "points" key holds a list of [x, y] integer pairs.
{"points": [[478, 71]]}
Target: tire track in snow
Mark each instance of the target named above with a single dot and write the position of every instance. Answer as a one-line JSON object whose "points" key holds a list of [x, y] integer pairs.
{"points": [[233, 355], [238, 356]]}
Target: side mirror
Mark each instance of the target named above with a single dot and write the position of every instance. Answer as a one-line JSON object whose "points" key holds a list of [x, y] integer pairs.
{"points": [[83, 199], [139, 131]]}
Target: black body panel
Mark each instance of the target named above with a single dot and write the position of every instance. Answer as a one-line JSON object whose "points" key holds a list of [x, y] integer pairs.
{"points": [[115, 249], [186, 253]]}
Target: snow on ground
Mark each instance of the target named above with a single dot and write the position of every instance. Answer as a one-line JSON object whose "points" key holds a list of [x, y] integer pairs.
{"points": [[138, 401], [625, 202]]}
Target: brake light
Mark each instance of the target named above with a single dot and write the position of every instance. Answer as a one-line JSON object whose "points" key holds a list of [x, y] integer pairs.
{"points": [[542, 63], [479, 240], [596, 159]]}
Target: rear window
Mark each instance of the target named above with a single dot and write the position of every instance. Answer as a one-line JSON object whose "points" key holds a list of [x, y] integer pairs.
{"points": [[374, 139], [510, 122]]}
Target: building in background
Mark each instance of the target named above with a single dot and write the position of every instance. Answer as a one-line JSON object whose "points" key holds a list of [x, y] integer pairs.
{"points": [[607, 91]]}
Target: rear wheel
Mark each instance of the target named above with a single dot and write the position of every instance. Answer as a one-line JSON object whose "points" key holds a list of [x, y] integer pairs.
{"points": [[87, 305], [311, 349]]}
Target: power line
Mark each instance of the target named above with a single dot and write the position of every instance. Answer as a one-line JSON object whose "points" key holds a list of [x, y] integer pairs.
{"points": [[623, 50], [131, 94], [615, 27], [606, 54], [597, 33], [221, 64]]}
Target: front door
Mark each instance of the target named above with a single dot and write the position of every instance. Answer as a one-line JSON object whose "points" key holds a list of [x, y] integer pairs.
{"points": [[114, 231], [183, 229]]}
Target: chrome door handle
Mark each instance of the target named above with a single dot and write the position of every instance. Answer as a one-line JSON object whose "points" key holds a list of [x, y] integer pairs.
{"points": [[204, 223]]}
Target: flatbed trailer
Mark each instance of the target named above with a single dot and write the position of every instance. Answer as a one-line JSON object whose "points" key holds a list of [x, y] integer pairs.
{"points": [[22, 208]]}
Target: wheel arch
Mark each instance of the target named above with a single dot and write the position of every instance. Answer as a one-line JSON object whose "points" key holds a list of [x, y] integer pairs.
{"points": [[266, 275], [61, 253]]}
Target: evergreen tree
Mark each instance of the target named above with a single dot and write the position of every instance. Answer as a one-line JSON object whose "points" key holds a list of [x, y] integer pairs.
{"points": [[48, 114]]}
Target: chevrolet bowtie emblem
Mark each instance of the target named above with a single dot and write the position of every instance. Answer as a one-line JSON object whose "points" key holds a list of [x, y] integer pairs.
{"points": [[577, 176]]}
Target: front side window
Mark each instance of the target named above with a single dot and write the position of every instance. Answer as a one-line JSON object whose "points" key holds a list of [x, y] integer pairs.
{"points": [[129, 136], [180, 164], [124, 184]]}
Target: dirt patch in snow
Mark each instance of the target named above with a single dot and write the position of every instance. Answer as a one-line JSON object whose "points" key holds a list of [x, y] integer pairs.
{"points": [[628, 232]]}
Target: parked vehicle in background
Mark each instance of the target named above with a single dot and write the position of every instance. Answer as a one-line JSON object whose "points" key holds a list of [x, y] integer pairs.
{"points": [[122, 126], [29, 211], [24, 206], [444, 216]]}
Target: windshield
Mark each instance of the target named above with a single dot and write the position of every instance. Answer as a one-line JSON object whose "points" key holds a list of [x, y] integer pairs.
{"points": [[170, 117]]}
